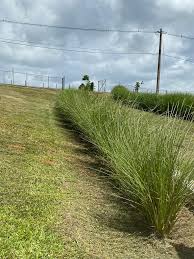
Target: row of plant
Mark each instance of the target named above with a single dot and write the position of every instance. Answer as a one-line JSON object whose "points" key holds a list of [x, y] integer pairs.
{"points": [[181, 104], [146, 156]]}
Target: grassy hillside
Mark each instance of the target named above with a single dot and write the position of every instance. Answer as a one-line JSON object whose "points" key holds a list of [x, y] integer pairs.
{"points": [[32, 173], [54, 203]]}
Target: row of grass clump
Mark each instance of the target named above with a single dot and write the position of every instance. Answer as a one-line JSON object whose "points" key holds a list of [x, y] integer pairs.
{"points": [[179, 104], [146, 155]]}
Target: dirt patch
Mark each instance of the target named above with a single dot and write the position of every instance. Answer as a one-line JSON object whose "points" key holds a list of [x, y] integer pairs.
{"points": [[49, 162], [19, 99], [17, 147]]}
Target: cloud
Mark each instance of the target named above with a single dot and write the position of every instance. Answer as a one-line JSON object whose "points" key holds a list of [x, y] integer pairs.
{"points": [[177, 5], [172, 16]]}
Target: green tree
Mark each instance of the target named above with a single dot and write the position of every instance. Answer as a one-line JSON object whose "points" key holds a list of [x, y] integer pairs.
{"points": [[88, 85], [86, 78], [92, 86], [137, 86]]}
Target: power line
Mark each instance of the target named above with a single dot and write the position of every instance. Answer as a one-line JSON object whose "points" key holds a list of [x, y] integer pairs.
{"points": [[60, 47], [179, 58], [90, 51], [76, 50], [181, 36], [92, 29], [74, 28]]}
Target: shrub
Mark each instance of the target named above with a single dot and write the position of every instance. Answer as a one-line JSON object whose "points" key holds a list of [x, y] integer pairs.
{"points": [[178, 103], [144, 101], [120, 92], [147, 155], [175, 103]]}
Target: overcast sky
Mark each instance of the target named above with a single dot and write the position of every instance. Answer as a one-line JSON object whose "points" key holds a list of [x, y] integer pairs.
{"points": [[174, 16]]}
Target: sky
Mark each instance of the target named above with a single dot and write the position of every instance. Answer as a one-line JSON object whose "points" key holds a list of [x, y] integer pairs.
{"points": [[173, 16]]}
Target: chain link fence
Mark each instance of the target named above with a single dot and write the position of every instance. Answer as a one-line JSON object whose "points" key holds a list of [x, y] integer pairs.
{"points": [[31, 79]]}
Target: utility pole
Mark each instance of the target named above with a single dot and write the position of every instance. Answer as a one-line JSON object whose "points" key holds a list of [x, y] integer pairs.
{"points": [[159, 62]]}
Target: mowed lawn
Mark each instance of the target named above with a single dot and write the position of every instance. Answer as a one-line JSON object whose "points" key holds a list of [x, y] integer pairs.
{"points": [[33, 173], [53, 201]]}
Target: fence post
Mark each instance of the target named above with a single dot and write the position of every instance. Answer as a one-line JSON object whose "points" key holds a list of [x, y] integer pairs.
{"points": [[48, 81], [26, 81], [63, 83], [4, 77], [105, 85], [13, 79]]}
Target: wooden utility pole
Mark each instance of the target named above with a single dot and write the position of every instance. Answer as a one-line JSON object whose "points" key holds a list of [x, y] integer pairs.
{"points": [[159, 62]]}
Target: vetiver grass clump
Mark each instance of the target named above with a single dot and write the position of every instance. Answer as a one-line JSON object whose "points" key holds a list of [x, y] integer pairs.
{"points": [[181, 104], [146, 157]]}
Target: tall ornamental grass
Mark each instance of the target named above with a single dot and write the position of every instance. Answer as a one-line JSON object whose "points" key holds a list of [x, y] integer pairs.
{"points": [[181, 104], [146, 155]]}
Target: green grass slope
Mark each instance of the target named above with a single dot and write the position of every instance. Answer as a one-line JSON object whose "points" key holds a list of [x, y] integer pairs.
{"points": [[33, 171], [54, 204]]}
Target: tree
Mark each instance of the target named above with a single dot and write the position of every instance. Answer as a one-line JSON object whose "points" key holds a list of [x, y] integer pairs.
{"points": [[86, 78], [137, 86], [88, 85], [92, 86]]}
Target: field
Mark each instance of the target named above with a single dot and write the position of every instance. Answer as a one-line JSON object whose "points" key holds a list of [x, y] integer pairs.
{"points": [[55, 201]]}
